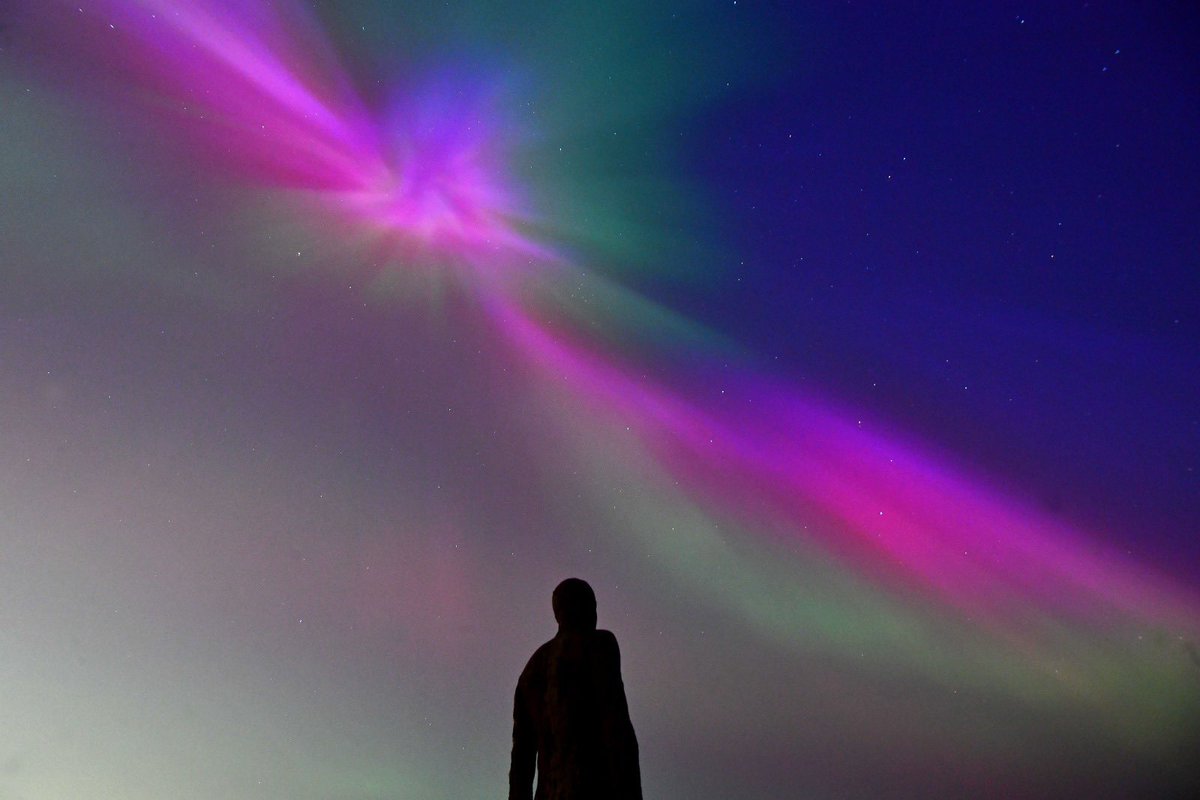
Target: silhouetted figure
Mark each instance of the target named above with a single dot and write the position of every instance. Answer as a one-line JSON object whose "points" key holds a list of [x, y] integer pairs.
{"points": [[570, 712]]}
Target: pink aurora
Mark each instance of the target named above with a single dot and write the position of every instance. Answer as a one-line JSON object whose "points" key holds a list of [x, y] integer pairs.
{"points": [[254, 92]]}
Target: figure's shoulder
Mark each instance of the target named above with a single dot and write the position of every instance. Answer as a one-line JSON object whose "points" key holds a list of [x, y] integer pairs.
{"points": [[537, 661], [606, 638]]}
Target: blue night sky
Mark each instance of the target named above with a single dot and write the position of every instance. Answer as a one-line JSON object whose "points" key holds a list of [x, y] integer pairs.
{"points": [[980, 221]]}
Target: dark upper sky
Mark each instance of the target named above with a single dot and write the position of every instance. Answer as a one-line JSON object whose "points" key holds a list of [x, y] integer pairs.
{"points": [[980, 221]]}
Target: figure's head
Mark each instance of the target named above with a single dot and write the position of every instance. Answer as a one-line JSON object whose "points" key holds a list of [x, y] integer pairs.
{"points": [[575, 605]]}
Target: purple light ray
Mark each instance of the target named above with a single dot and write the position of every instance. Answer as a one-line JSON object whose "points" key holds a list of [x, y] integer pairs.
{"points": [[253, 92], [898, 513]]}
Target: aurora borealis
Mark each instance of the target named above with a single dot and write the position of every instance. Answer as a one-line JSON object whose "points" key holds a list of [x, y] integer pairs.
{"points": [[849, 354]]}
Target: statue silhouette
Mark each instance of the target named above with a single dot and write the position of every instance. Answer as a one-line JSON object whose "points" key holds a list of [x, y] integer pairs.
{"points": [[570, 716]]}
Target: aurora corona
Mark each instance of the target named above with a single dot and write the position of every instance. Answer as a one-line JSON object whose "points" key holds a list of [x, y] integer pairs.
{"points": [[231, 85]]}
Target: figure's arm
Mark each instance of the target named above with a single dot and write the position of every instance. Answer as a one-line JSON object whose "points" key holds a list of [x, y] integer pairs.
{"points": [[626, 745], [524, 750]]}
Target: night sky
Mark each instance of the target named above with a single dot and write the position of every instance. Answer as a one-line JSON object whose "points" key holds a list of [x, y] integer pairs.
{"points": [[849, 350]]}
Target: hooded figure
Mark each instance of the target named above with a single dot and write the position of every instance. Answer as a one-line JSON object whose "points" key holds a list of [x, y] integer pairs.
{"points": [[570, 716]]}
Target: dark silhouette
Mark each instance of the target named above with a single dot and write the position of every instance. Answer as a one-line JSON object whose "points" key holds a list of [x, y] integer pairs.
{"points": [[570, 714]]}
